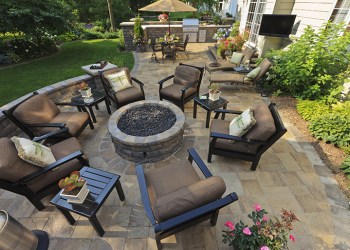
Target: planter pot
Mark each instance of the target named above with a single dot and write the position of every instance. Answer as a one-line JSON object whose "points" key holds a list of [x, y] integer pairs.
{"points": [[79, 197], [85, 92], [163, 20], [214, 96]]}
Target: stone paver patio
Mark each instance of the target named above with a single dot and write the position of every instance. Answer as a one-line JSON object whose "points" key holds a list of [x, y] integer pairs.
{"points": [[290, 175]]}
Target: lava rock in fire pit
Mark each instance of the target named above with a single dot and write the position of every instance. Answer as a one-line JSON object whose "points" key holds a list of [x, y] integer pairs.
{"points": [[146, 120]]}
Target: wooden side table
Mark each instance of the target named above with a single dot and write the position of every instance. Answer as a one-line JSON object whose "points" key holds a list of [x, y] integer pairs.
{"points": [[97, 98], [100, 183], [209, 106]]}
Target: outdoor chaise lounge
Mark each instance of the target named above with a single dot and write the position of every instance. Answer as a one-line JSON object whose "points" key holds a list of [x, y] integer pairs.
{"points": [[186, 83], [175, 197], [31, 181], [249, 147], [225, 65], [232, 77], [38, 115]]}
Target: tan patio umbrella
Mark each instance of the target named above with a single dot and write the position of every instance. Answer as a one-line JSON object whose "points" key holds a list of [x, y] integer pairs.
{"points": [[168, 6]]}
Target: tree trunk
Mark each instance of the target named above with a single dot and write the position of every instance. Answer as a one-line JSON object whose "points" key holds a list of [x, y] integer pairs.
{"points": [[111, 17]]}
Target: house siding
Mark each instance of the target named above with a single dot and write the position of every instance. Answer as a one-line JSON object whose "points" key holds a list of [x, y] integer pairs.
{"points": [[311, 12]]}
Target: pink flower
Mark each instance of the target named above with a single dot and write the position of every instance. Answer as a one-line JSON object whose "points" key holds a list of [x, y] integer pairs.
{"points": [[230, 225], [257, 207], [264, 248], [247, 231], [264, 218], [258, 223], [291, 237]]}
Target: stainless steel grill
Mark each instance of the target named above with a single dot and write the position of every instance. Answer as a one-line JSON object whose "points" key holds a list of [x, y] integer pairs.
{"points": [[190, 26]]}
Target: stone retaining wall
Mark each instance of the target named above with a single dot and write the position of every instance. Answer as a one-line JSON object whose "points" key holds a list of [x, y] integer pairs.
{"points": [[58, 92]]}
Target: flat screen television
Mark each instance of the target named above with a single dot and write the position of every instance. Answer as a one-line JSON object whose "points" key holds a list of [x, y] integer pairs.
{"points": [[276, 25]]}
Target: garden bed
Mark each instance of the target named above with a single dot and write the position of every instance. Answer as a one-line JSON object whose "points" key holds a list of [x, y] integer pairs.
{"points": [[330, 154]]}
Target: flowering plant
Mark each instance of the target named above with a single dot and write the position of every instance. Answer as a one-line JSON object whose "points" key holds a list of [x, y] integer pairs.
{"points": [[163, 17], [264, 234], [222, 33]]}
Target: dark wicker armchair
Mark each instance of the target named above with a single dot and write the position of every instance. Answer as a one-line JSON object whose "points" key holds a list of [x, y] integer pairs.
{"points": [[37, 115], [175, 197], [125, 96], [186, 83], [33, 182], [266, 131]]}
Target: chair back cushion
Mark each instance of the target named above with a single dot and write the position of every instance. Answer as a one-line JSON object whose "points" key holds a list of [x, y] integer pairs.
{"points": [[119, 81], [264, 66], [248, 52], [13, 168], [188, 198], [186, 74], [264, 127], [33, 152], [38, 109]]}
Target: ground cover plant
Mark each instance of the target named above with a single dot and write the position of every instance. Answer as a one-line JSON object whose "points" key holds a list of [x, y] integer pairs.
{"points": [[19, 80]]}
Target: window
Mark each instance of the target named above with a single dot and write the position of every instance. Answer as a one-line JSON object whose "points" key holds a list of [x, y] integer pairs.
{"points": [[341, 12], [255, 12]]}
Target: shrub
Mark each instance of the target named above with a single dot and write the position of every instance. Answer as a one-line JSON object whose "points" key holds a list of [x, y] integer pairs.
{"points": [[311, 67], [345, 167], [333, 128], [4, 59], [89, 35], [138, 31], [310, 110]]}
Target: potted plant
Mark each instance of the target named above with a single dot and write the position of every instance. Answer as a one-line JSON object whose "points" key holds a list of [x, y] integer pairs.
{"points": [[163, 18], [138, 39], [264, 234], [214, 92], [85, 90], [74, 188]]}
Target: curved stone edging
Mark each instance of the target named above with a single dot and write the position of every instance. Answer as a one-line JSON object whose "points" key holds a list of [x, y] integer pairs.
{"points": [[143, 149]]}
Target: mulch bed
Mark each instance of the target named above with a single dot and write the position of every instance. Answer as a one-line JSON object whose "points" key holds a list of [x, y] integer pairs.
{"points": [[330, 154]]}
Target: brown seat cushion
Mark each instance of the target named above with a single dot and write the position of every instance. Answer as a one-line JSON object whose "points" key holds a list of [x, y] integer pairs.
{"points": [[222, 126], [174, 91], [13, 168], [186, 74], [73, 120], [129, 95], [264, 127], [189, 197], [229, 77], [37, 109], [59, 150]]}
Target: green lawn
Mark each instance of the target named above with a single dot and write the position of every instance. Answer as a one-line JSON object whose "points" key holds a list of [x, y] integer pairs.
{"points": [[19, 80]]}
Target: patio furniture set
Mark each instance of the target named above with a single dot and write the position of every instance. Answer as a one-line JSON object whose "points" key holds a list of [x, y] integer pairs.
{"points": [[170, 205], [168, 48]]}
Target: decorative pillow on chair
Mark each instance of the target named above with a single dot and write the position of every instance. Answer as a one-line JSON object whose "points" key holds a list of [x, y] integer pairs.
{"points": [[252, 74], [33, 152], [119, 81], [236, 58], [242, 123]]}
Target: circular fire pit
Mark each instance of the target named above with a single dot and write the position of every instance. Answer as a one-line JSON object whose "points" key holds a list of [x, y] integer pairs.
{"points": [[147, 131]]}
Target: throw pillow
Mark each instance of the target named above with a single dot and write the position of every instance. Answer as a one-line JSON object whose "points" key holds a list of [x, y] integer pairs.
{"points": [[119, 81], [33, 152], [242, 123], [236, 58], [252, 74]]}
